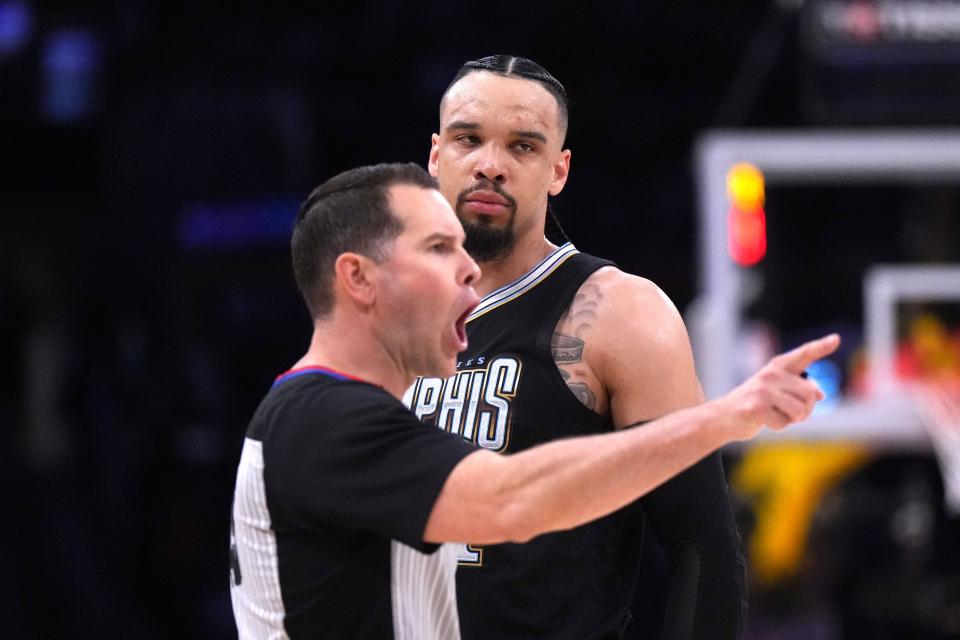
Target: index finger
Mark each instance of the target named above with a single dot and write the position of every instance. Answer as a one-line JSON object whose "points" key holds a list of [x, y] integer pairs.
{"points": [[796, 360]]}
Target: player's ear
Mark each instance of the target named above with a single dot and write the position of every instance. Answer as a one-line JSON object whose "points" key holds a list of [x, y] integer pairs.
{"points": [[354, 279], [433, 160], [561, 169]]}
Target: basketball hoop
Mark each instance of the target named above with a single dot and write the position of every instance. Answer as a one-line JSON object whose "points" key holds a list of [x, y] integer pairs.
{"points": [[938, 403]]}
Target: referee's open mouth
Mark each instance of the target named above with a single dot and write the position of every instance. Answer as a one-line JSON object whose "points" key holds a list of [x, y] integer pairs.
{"points": [[460, 326]]}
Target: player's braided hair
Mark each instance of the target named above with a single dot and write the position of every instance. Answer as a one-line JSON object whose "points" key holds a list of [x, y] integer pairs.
{"points": [[529, 70], [522, 68]]}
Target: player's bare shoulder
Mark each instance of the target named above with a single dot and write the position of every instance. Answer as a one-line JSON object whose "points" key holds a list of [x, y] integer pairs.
{"points": [[639, 311], [616, 322]]}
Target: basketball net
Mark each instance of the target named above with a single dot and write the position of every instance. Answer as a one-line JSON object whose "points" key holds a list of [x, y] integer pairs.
{"points": [[938, 402]]}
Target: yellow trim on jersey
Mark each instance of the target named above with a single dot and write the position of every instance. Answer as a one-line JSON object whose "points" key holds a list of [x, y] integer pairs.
{"points": [[524, 283]]}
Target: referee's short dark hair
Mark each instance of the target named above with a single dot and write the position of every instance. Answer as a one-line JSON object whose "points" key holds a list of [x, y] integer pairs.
{"points": [[348, 212]]}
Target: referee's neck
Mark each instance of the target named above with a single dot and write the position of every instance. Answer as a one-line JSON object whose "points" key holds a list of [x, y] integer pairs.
{"points": [[351, 347]]}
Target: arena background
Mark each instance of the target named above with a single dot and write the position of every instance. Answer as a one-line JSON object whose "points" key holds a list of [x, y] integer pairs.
{"points": [[153, 156]]}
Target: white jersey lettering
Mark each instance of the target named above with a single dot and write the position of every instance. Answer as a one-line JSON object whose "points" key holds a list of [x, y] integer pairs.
{"points": [[476, 403]]}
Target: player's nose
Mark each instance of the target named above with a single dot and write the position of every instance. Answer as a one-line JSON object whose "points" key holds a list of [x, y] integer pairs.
{"points": [[491, 164]]}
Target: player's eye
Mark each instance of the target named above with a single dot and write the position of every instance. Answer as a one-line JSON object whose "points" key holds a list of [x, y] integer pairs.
{"points": [[468, 139], [524, 147]]}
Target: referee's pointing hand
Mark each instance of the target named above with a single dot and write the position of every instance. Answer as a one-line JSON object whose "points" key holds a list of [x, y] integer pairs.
{"points": [[778, 394]]}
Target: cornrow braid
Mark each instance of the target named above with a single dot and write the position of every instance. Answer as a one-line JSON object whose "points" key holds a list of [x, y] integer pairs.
{"points": [[517, 66]]}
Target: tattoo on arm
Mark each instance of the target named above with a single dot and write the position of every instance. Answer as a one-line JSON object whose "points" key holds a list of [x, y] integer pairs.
{"points": [[583, 310], [567, 342], [583, 393], [566, 349]]}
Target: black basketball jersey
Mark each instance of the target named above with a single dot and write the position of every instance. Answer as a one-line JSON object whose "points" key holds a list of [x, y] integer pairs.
{"points": [[507, 396]]}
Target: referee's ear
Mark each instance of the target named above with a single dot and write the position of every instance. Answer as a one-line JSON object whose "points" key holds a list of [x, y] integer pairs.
{"points": [[353, 283]]}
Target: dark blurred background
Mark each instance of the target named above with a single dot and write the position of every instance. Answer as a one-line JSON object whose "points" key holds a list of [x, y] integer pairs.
{"points": [[153, 155]]}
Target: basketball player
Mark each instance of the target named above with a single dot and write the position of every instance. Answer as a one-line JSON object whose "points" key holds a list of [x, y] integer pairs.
{"points": [[343, 497], [565, 344]]}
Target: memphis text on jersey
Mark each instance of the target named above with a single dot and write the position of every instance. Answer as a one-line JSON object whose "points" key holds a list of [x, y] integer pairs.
{"points": [[476, 403]]}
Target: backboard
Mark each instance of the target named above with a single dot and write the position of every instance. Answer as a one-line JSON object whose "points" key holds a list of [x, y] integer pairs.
{"points": [[878, 163]]}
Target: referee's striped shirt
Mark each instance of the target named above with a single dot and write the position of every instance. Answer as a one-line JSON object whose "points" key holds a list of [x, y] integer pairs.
{"points": [[335, 484]]}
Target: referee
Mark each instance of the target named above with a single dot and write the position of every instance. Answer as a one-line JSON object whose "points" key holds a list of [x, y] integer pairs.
{"points": [[344, 499]]}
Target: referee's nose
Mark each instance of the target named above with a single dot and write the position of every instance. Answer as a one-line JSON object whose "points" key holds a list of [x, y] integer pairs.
{"points": [[469, 271]]}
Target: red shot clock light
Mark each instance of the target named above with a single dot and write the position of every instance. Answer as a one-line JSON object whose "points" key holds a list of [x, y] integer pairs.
{"points": [[746, 220]]}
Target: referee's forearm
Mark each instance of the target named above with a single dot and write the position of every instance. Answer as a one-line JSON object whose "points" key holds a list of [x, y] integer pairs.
{"points": [[489, 498], [567, 483]]}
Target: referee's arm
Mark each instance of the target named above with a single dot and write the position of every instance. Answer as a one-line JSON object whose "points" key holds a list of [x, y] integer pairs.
{"points": [[490, 498]]}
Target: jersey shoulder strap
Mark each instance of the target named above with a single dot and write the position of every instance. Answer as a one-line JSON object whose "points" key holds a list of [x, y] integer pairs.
{"points": [[555, 295], [559, 274]]}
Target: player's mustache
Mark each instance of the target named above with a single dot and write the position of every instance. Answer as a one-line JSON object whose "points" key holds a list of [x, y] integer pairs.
{"points": [[486, 185]]}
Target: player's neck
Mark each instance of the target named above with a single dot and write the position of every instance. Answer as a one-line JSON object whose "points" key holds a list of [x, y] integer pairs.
{"points": [[524, 257]]}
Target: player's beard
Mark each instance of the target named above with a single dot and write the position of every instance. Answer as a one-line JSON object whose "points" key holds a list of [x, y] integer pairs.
{"points": [[486, 242]]}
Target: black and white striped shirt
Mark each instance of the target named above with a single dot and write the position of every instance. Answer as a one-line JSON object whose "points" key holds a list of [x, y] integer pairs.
{"points": [[335, 485]]}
